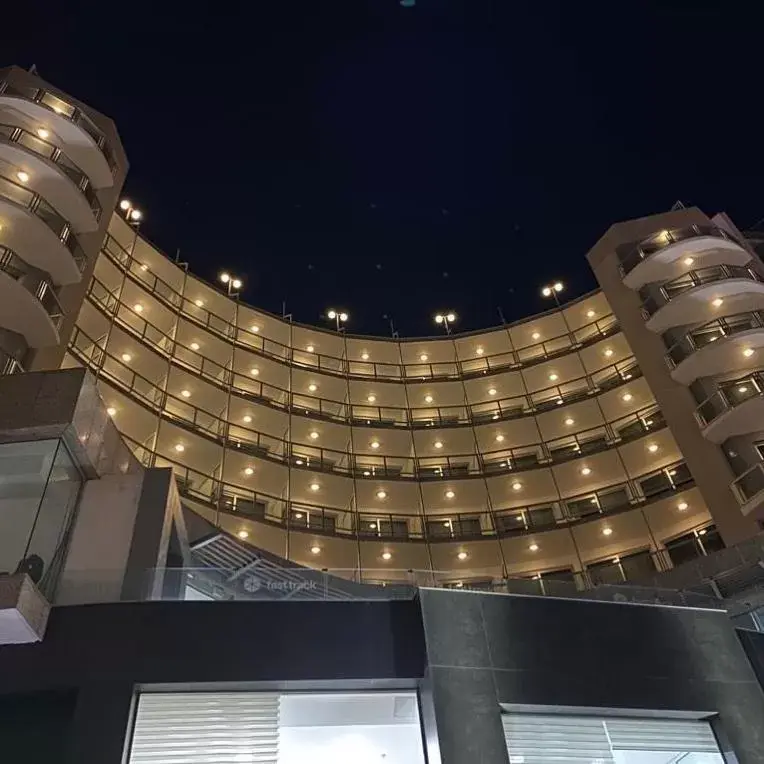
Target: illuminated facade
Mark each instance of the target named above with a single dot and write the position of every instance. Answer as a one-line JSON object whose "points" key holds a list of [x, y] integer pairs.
{"points": [[601, 441]]}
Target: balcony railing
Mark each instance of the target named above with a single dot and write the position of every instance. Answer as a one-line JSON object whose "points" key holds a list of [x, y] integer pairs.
{"points": [[690, 280], [33, 202], [461, 368], [73, 113], [47, 150], [710, 332], [729, 395], [40, 286], [248, 388], [9, 364], [749, 485], [663, 239]]}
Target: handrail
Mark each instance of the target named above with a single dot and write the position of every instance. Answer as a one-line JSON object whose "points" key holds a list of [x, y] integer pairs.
{"points": [[474, 365], [47, 150], [42, 289], [658, 241], [728, 396], [250, 504], [74, 114], [691, 280], [711, 331], [366, 414]]}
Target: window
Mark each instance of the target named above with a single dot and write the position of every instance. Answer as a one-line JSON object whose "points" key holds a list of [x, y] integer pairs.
{"points": [[609, 740], [275, 728]]}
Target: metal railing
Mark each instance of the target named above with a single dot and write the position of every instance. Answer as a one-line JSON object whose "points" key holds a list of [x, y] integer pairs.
{"points": [[711, 331], [729, 395], [690, 280], [63, 108], [47, 150], [749, 485], [39, 286], [666, 238], [461, 368]]}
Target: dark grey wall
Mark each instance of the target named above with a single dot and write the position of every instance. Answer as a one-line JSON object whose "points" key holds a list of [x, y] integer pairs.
{"points": [[486, 649]]}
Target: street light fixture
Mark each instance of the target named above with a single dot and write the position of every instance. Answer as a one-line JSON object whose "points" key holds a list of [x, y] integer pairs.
{"points": [[338, 316], [132, 214], [446, 319], [233, 283]]}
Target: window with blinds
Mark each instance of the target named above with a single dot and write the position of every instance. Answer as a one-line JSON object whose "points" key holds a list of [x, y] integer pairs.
{"points": [[563, 739], [272, 728]]}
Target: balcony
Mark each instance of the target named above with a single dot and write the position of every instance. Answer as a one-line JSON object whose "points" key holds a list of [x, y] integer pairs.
{"points": [[736, 408], [38, 234], [748, 489], [693, 297], [720, 346], [68, 125], [28, 303], [53, 175], [667, 254]]}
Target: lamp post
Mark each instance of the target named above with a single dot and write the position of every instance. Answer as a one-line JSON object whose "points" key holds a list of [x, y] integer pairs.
{"points": [[233, 283], [446, 319], [340, 317], [132, 214]]}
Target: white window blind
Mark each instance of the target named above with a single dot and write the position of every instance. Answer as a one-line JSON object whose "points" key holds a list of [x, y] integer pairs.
{"points": [[556, 739], [206, 728], [563, 739]]}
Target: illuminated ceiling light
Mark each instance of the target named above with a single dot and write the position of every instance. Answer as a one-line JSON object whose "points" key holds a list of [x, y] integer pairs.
{"points": [[126, 357], [438, 444], [492, 391], [626, 397], [180, 448], [332, 314], [459, 584], [560, 401], [536, 336], [689, 260], [243, 534], [386, 555], [569, 421], [254, 328], [43, 133], [616, 560], [374, 444], [194, 346], [246, 419], [428, 399], [499, 438], [590, 314], [125, 204], [311, 348], [423, 357], [607, 531], [381, 494], [185, 393], [136, 215], [313, 435], [371, 398], [111, 411], [495, 417], [702, 532], [312, 387], [534, 547], [742, 389], [652, 448], [225, 277], [479, 351], [748, 352], [682, 506], [718, 302], [249, 471], [366, 473], [450, 494], [608, 352], [462, 555], [22, 176], [517, 486], [199, 303], [553, 377], [315, 487], [364, 356], [586, 471], [138, 308], [254, 371], [315, 549], [299, 462]]}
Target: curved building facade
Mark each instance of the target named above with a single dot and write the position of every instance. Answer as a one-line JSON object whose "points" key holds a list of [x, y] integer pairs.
{"points": [[608, 439]]}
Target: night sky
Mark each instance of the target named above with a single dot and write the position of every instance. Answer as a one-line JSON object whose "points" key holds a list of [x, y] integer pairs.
{"points": [[399, 160]]}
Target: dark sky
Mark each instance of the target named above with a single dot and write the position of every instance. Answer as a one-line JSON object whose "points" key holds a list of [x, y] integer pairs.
{"points": [[393, 160]]}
